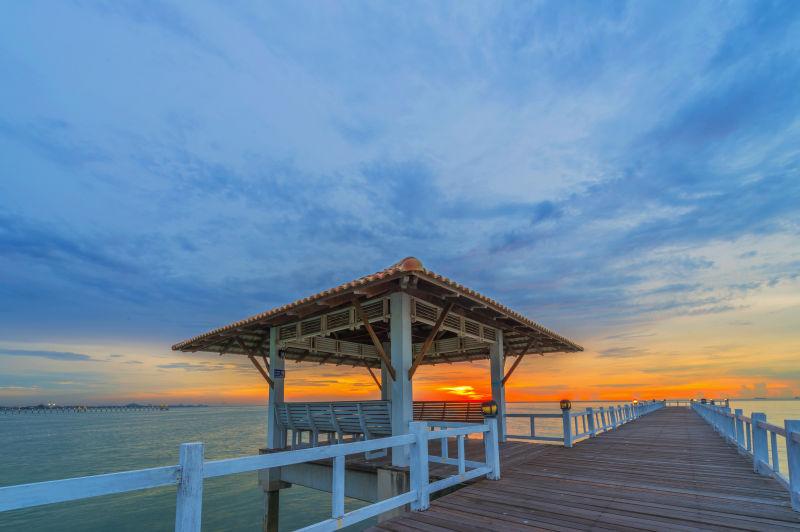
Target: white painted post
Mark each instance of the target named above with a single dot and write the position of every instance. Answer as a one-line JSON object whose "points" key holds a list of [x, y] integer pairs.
{"points": [[275, 439], [419, 465], [760, 452], [739, 428], [189, 506], [565, 421], [491, 447], [590, 417], [337, 487], [386, 379], [496, 367], [792, 427], [402, 358], [462, 464]]}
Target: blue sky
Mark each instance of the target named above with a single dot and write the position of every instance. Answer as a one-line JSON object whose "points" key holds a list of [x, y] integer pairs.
{"points": [[626, 173]]}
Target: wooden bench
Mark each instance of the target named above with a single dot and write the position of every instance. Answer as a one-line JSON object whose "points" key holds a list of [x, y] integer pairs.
{"points": [[360, 419], [451, 411]]}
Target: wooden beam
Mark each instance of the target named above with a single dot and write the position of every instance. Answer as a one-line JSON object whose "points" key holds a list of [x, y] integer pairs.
{"points": [[378, 382], [261, 370], [252, 356], [517, 361], [429, 340], [375, 341]]}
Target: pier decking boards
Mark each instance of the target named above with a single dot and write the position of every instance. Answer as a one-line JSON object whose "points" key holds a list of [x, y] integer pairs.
{"points": [[668, 470]]}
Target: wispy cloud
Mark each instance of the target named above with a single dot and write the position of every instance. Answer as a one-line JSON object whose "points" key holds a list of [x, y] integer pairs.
{"points": [[53, 355]]}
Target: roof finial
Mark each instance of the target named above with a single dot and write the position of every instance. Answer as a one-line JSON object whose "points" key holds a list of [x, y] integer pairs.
{"points": [[411, 264]]}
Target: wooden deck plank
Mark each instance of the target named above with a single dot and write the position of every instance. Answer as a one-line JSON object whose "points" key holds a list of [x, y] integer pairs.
{"points": [[666, 471]]}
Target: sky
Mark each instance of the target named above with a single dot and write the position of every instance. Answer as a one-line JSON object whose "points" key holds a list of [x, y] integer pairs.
{"points": [[627, 174]]}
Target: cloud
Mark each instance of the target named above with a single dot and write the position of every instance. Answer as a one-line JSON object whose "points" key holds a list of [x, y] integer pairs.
{"points": [[574, 175], [623, 352], [200, 366], [52, 355]]}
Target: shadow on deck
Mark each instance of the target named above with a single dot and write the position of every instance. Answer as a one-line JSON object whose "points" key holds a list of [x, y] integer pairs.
{"points": [[668, 470]]}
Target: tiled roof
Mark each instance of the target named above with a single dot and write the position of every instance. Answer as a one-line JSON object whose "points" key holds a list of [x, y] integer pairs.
{"points": [[407, 266]]}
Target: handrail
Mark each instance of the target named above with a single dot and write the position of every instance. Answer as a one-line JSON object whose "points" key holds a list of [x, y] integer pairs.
{"points": [[581, 424], [755, 437], [192, 470]]}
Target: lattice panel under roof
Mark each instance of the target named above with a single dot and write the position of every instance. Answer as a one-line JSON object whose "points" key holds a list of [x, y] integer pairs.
{"points": [[424, 312], [318, 344], [337, 320]]}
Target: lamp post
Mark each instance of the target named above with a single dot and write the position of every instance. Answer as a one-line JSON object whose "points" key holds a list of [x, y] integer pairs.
{"points": [[566, 417]]}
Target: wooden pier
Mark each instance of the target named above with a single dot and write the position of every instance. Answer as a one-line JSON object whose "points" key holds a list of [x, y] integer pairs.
{"points": [[667, 471]]}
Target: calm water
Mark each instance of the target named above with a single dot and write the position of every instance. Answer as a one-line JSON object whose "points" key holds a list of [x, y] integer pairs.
{"points": [[54, 446]]}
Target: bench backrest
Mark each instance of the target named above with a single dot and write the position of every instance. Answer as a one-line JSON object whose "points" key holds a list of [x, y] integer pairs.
{"points": [[458, 411]]}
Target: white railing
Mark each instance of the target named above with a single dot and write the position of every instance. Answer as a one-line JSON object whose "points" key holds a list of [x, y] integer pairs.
{"points": [[755, 437], [581, 424], [190, 473]]}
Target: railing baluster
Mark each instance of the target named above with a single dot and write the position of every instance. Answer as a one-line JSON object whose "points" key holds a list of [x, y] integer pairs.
{"points": [[492, 449], [793, 457], [776, 465], [739, 428], [419, 465], [760, 458], [462, 467], [337, 505], [590, 419], [189, 505]]}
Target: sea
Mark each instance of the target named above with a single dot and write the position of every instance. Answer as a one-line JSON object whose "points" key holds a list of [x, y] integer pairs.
{"points": [[40, 447]]}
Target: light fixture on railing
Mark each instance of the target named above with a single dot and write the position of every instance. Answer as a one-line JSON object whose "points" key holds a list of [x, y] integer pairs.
{"points": [[635, 401], [489, 409], [565, 404]]}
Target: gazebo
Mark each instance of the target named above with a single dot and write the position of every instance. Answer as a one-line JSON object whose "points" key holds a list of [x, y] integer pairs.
{"points": [[392, 322]]}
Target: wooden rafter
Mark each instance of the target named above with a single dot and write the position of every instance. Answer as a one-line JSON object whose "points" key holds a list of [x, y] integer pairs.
{"points": [[517, 361], [429, 340], [261, 370], [252, 356], [378, 382], [375, 340]]}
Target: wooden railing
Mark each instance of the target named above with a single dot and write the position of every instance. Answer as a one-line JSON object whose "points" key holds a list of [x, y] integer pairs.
{"points": [[581, 424], [755, 437], [190, 473]]}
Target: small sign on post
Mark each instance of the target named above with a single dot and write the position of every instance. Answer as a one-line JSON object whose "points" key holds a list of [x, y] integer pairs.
{"points": [[278, 373]]}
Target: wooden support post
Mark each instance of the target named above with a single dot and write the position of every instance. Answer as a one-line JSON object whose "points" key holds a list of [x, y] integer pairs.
{"points": [[512, 368], [374, 337], [275, 437], [760, 452], [386, 384], [565, 418], [739, 428], [262, 371], [491, 447], [401, 347], [496, 362], [419, 464], [793, 458], [189, 506], [372, 373], [590, 418], [429, 340], [252, 356]]}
